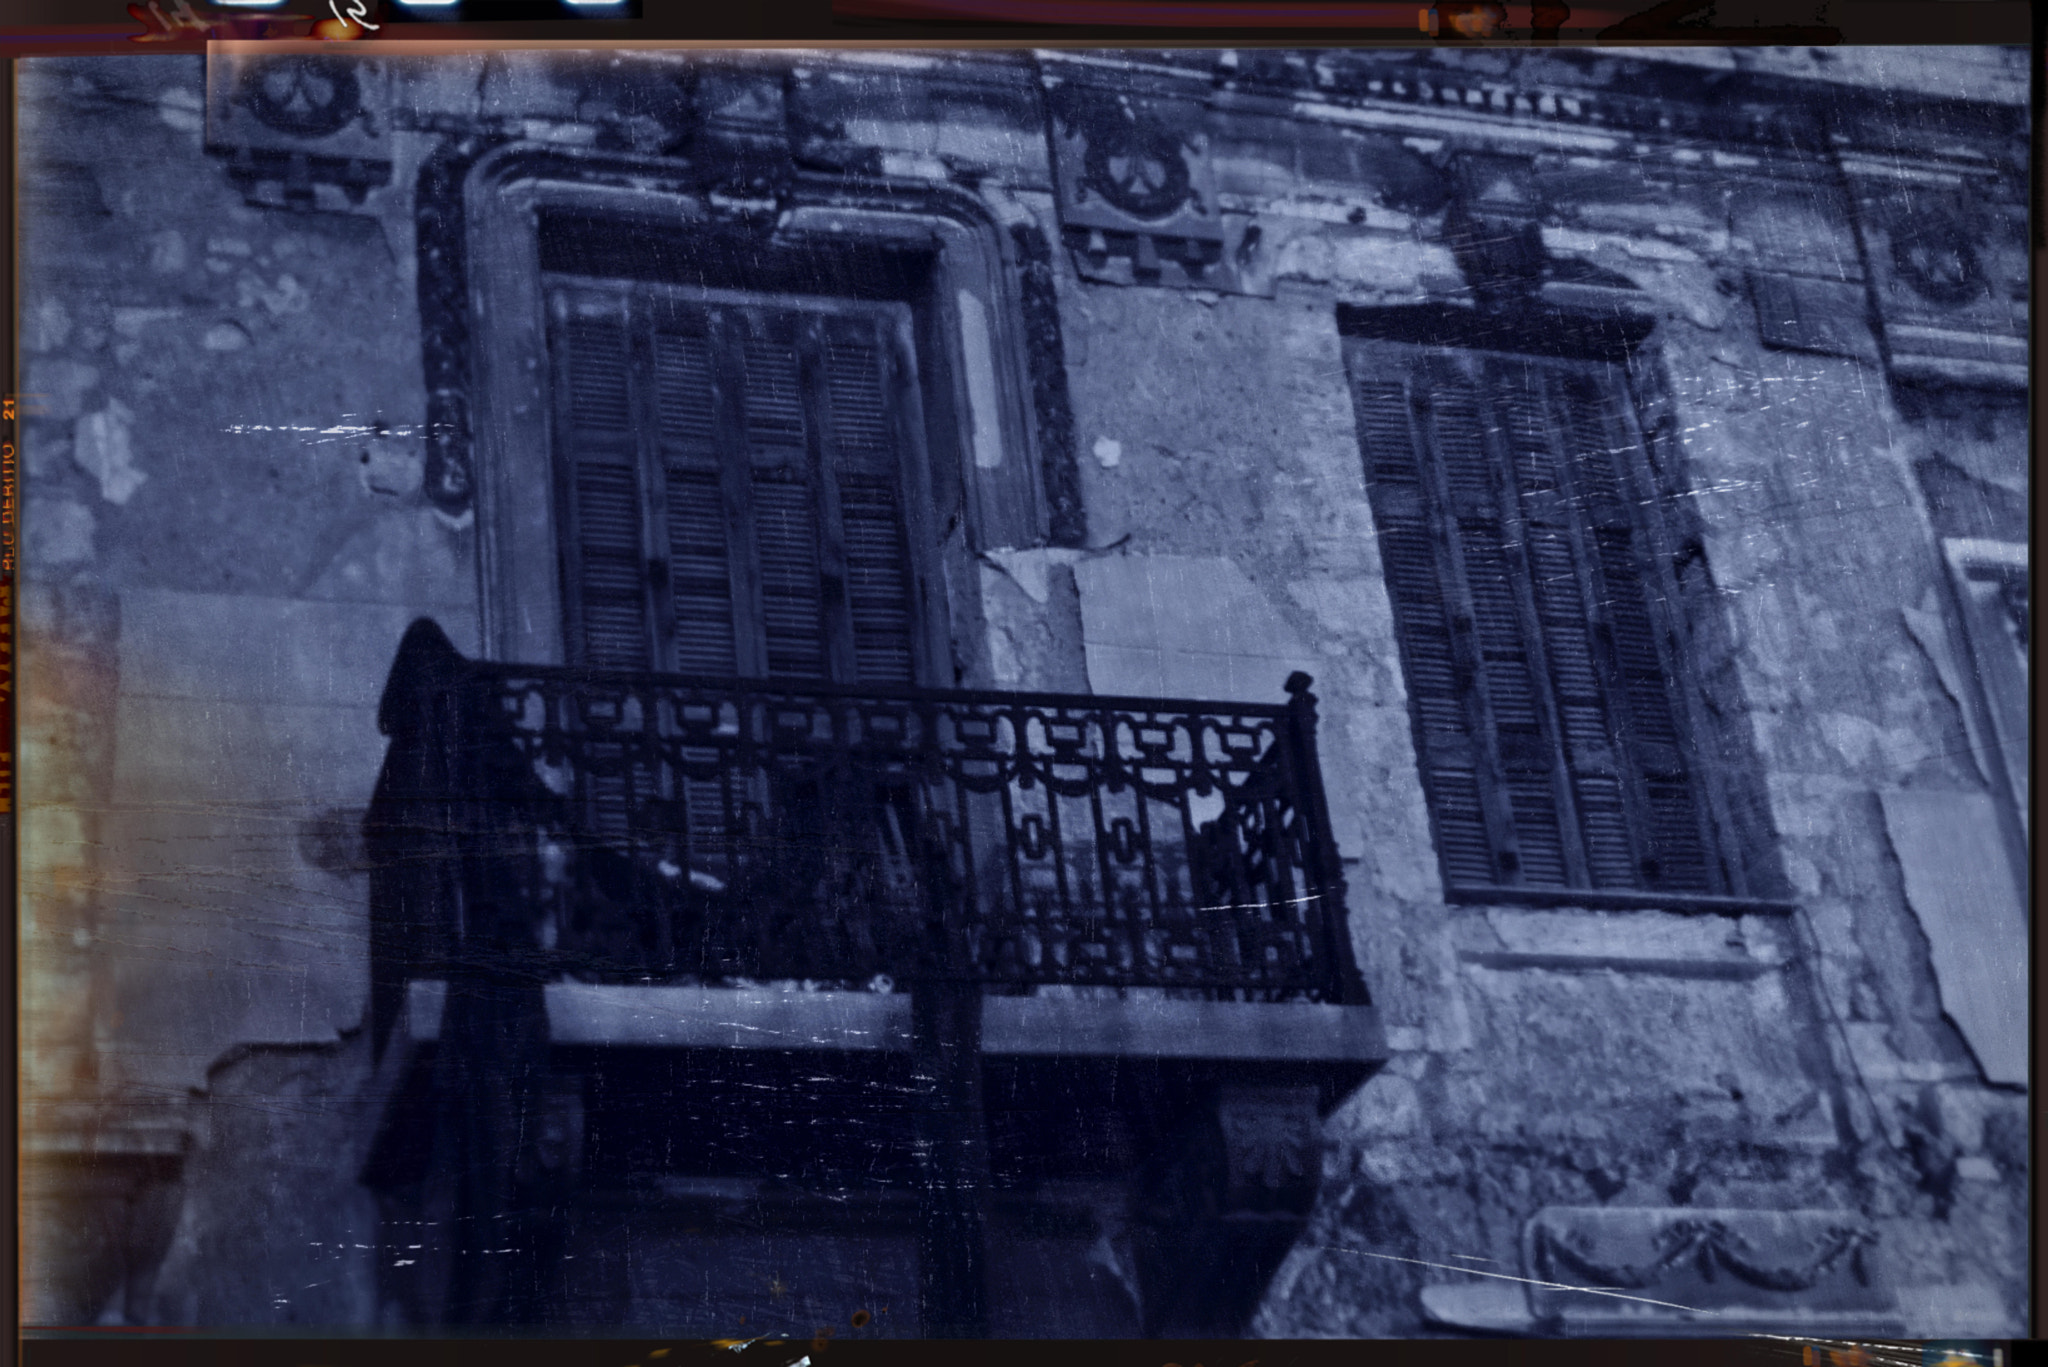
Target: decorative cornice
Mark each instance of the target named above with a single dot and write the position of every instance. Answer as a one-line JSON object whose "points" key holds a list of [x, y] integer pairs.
{"points": [[1537, 99]]}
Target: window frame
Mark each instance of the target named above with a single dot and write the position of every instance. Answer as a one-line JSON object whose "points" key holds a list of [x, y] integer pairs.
{"points": [[642, 306], [2000, 673], [1729, 889], [990, 458]]}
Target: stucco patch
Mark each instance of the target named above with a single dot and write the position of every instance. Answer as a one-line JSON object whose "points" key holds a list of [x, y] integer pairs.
{"points": [[1959, 884], [1187, 626]]}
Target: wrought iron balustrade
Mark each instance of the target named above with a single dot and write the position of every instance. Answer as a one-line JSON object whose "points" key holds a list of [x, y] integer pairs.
{"points": [[642, 827]]}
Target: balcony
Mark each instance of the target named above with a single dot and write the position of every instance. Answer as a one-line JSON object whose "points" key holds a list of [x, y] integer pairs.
{"points": [[966, 901]]}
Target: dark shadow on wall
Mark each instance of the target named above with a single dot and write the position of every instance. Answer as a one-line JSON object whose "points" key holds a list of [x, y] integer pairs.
{"points": [[1960, 504]]}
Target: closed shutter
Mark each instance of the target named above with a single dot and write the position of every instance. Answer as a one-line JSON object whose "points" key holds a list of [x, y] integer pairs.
{"points": [[1550, 551], [1670, 841], [699, 559], [786, 538], [606, 558], [732, 487], [1546, 726], [1529, 846], [865, 459], [1438, 688]]}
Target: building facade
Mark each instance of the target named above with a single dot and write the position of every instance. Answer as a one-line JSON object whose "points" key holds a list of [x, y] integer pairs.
{"points": [[1630, 445]]}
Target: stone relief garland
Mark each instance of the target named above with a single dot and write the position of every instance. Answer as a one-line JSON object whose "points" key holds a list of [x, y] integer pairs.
{"points": [[1710, 1245]]}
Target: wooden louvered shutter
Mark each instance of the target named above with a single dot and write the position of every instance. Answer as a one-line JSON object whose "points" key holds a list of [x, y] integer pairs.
{"points": [[1557, 585], [604, 554], [1670, 843], [1545, 719], [732, 486], [784, 500], [700, 581], [1439, 683], [866, 467], [1512, 746]]}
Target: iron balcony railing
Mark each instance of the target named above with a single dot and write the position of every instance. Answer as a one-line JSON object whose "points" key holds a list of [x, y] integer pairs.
{"points": [[642, 827]]}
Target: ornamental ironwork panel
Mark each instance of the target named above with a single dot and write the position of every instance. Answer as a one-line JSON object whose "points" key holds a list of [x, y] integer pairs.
{"points": [[629, 826]]}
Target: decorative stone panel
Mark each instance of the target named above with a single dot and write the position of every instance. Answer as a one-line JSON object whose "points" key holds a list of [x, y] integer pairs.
{"points": [[300, 130], [1948, 274], [1666, 1271], [1673, 1265], [1272, 1144], [1137, 199]]}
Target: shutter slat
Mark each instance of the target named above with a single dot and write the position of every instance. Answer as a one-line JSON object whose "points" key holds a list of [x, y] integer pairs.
{"points": [[598, 366], [611, 569], [1674, 844], [877, 578], [1461, 445], [1603, 815], [1462, 842], [775, 405], [683, 393], [1592, 450], [704, 809], [1562, 610], [1383, 423], [700, 574], [786, 539], [1635, 642], [860, 402], [1539, 844], [1432, 674], [1508, 684], [1520, 403]]}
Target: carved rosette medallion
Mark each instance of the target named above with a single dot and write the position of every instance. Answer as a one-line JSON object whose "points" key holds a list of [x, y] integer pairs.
{"points": [[1948, 275], [306, 97], [1934, 259], [299, 130], [1140, 169], [1136, 200]]}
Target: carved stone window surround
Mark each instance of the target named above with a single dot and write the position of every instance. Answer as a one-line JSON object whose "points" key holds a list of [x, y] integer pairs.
{"points": [[509, 445]]}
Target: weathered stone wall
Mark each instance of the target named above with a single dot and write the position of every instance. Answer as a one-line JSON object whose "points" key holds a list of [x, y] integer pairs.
{"points": [[228, 533], [222, 550], [209, 464]]}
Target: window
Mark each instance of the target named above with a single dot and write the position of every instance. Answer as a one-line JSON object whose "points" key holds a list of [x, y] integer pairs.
{"points": [[1526, 598], [1990, 583], [730, 482]]}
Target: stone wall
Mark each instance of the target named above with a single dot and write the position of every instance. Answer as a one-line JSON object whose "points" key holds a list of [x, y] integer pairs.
{"points": [[229, 531]]}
